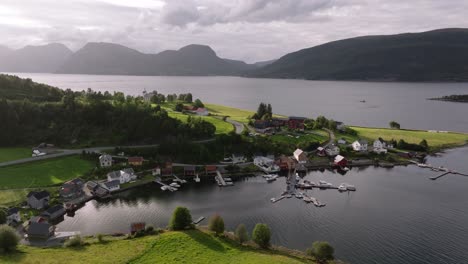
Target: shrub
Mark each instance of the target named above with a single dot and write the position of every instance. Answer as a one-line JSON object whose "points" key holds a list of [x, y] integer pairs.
{"points": [[9, 239], [321, 250], [241, 233], [261, 235], [75, 241], [181, 219], [100, 238], [216, 224], [150, 230], [3, 217]]}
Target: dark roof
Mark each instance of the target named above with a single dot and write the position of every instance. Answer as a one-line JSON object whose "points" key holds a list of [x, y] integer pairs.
{"points": [[112, 184], [297, 118], [189, 168], [92, 184], [77, 181], [39, 195], [13, 210], [40, 229], [54, 209]]}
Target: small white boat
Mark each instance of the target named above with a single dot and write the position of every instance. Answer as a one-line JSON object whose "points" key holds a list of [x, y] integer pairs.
{"points": [[174, 184], [269, 175], [324, 184], [165, 188], [343, 187], [197, 179], [288, 195], [273, 200], [350, 187], [306, 199], [299, 195], [271, 178]]}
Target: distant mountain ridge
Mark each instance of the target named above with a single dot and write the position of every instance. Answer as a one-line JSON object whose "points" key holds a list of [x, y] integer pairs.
{"points": [[438, 55]]}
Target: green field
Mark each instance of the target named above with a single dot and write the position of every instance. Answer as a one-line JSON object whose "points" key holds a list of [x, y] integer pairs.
{"points": [[318, 136], [8, 154], [435, 140], [235, 114], [171, 247], [43, 173]]}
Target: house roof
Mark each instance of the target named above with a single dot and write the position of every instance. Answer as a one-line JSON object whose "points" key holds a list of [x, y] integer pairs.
{"points": [[54, 209], [210, 167], [297, 118], [105, 156], [298, 152], [201, 109], [13, 210], [319, 148], [117, 174], [39, 195], [361, 141], [135, 159], [112, 184], [41, 229], [92, 184], [339, 158]]}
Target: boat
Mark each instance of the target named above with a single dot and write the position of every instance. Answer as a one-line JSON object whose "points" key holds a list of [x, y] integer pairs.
{"points": [[197, 179], [289, 195], [271, 178], [299, 195], [351, 187], [164, 187], [324, 184], [273, 200], [266, 165], [174, 184], [342, 187], [362, 101], [269, 175], [306, 199], [422, 165]]}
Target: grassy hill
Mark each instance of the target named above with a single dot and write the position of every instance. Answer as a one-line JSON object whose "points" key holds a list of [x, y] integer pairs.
{"points": [[439, 55], [171, 247]]}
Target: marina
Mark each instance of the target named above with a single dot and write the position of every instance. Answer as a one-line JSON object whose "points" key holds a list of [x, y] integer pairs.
{"points": [[445, 171]]}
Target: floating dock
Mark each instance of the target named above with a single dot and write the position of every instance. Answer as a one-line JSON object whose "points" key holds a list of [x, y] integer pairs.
{"points": [[445, 171], [201, 218], [170, 188], [223, 182]]}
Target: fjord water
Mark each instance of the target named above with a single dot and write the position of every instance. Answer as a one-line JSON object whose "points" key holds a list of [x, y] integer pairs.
{"points": [[403, 102], [396, 215]]}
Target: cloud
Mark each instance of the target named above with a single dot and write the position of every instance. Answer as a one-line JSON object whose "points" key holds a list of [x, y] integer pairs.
{"points": [[250, 30]]}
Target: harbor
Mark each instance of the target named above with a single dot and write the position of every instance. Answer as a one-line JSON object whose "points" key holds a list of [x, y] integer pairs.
{"points": [[444, 171]]}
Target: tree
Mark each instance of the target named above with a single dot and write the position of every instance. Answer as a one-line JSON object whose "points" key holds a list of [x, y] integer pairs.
{"points": [[181, 219], [261, 235], [424, 144], [241, 233], [198, 103], [216, 224], [394, 125], [321, 250], [179, 107], [188, 98], [9, 239], [3, 217]]}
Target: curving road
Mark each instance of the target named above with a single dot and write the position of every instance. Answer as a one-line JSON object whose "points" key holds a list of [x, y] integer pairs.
{"points": [[237, 125]]}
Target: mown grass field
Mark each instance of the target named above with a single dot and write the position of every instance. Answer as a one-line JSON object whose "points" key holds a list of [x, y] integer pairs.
{"points": [[318, 136], [172, 247], [235, 114], [43, 173], [435, 140], [8, 154]]}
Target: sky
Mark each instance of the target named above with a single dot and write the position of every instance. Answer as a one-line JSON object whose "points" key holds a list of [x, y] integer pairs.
{"points": [[249, 30]]}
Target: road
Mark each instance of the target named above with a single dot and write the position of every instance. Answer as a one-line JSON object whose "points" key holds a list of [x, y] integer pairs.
{"points": [[69, 152], [237, 125], [331, 136]]}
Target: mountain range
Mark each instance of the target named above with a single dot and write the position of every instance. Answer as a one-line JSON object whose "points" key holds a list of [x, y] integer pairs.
{"points": [[438, 55]]}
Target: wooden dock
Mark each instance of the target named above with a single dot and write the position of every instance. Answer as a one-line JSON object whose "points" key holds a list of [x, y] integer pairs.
{"points": [[445, 171]]}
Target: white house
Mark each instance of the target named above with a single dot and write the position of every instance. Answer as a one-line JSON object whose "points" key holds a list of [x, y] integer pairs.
{"points": [[300, 156], [111, 186], [105, 160], [13, 216], [123, 176], [380, 146], [332, 150], [360, 145], [201, 111]]}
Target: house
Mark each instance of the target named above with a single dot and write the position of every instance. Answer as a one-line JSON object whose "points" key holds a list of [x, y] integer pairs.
{"points": [[285, 163], [101, 191], [201, 111], [111, 186], [105, 160], [189, 170], [296, 123], [92, 186], [54, 212], [321, 152], [38, 200], [380, 146], [210, 169], [156, 171], [72, 189], [40, 230], [342, 141], [332, 150], [238, 158], [279, 122], [136, 227], [124, 176], [300, 156], [340, 126], [360, 145], [261, 124], [167, 170], [190, 107], [13, 216], [135, 161], [340, 161]]}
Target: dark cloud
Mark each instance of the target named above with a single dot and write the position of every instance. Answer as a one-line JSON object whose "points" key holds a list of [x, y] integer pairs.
{"points": [[241, 29]]}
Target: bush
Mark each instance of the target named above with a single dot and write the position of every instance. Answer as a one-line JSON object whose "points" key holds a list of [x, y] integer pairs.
{"points": [[241, 233], [321, 250], [181, 219], [100, 238], [150, 230], [9, 239], [75, 241], [216, 224], [3, 217], [261, 235]]}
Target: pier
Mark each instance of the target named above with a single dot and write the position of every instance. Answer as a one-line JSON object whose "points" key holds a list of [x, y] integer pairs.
{"points": [[167, 187], [445, 171], [223, 182]]}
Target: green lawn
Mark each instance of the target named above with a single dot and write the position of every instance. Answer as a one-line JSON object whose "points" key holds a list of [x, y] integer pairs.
{"points": [[15, 196], [235, 114], [319, 136], [435, 140], [43, 173], [8, 154], [171, 247]]}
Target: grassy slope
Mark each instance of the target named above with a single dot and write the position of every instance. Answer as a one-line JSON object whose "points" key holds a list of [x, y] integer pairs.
{"points": [[172, 247], [235, 114], [435, 140], [322, 137], [43, 173], [7, 154]]}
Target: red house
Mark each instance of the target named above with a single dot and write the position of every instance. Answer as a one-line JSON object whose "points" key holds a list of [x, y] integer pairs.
{"points": [[189, 170], [340, 161], [296, 122], [285, 163], [321, 152], [135, 161], [210, 169]]}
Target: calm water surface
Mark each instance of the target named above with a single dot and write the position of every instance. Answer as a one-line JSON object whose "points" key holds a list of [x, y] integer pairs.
{"points": [[396, 215], [403, 102]]}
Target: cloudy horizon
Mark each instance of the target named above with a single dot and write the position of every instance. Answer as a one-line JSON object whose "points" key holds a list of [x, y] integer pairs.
{"points": [[239, 29]]}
